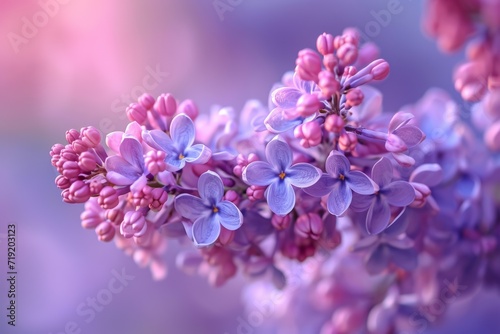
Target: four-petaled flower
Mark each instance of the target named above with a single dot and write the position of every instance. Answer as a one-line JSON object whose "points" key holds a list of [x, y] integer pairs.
{"points": [[396, 194], [209, 211], [280, 175], [179, 145], [339, 182], [128, 167]]}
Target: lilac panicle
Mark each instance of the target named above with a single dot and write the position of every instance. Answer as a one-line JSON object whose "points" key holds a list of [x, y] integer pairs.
{"points": [[208, 212], [279, 175]]}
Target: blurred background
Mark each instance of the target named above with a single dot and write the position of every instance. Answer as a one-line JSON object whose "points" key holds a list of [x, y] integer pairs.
{"points": [[83, 62]]}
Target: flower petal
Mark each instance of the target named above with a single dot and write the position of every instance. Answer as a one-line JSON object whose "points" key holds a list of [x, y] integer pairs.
{"points": [[360, 182], [229, 215], [279, 154], [399, 193], [206, 230], [120, 172], [322, 187], [286, 97], [410, 134], [259, 173], [159, 140], [404, 258], [280, 197], [303, 175], [113, 140], [174, 163], [182, 131], [361, 203], [337, 164], [382, 172], [197, 154], [339, 199], [131, 151], [399, 119], [428, 174], [190, 207], [378, 216], [210, 188], [276, 122], [378, 260]]}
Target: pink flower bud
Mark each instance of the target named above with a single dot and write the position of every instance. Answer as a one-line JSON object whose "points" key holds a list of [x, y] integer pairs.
{"points": [[328, 83], [347, 54], [133, 225], [308, 104], [330, 62], [68, 154], [351, 35], [79, 192], [115, 216], [90, 219], [347, 141], [309, 133], [470, 81], [334, 123], [354, 97], [155, 161], [79, 146], [136, 112], [281, 222], [309, 226], [166, 105], [324, 44], [308, 65], [142, 197], [72, 135], [105, 231], [56, 149], [225, 236], [380, 71], [159, 196], [492, 137], [146, 101], [108, 198], [189, 108], [70, 169], [243, 161], [422, 191], [91, 137], [255, 193], [232, 196], [87, 161], [62, 182], [96, 184]]}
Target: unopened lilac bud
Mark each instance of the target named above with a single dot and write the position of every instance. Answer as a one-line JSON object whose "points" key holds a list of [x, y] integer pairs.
{"points": [[324, 44], [158, 197], [243, 161], [96, 184], [281, 222], [108, 198], [309, 226], [255, 193], [91, 137], [351, 35], [354, 97], [309, 133], [71, 170], [422, 192], [395, 144], [334, 123], [308, 104], [68, 154], [72, 135], [308, 65], [189, 108], [492, 137], [376, 70], [328, 83], [225, 236], [470, 81], [330, 62], [146, 100], [136, 112], [56, 149], [105, 231], [62, 182], [115, 216], [348, 141], [79, 192], [380, 71], [155, 161], [87, 161], [134, 224], [79, 146], [233, 197], [347, 54], [92, 216], [166, 105]]}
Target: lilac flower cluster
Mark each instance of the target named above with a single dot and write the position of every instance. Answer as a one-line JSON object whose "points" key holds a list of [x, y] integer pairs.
{"points": [[321, 175]]}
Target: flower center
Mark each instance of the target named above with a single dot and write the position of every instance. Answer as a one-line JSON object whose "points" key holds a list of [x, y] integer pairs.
{"points": [[181, 156], [341, 177], [215, 209], [282, 175]]}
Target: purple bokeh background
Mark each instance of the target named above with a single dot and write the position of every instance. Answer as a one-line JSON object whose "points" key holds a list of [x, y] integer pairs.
{"points": [[73, 73]]}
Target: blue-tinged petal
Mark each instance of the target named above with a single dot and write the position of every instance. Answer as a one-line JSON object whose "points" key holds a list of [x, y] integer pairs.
{"points": [[279, 154], [399, 193], [303, 85], [197, 154], [259, 173], [361, 203], [378, 216], [182, 131], [382, 172], [323, 187], [229, 215], [120, 172], [366, 243], [158, 140], [206, 230], [337, 164], [174, 163], [378, 260], [360, 182], [210, 188], [280, 197], [339, 199], [190, 207], [303, 175], [404, 258], [131, 151], [410, 134], [429, 174], [276, 122], [286, 97]]}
